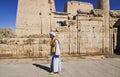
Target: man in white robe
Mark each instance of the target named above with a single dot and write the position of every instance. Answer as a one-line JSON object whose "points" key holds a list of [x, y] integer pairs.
{"points": [[55, 66]]}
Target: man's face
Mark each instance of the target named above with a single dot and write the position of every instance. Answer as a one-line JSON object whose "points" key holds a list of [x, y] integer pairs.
{"points": [[51, 36]]}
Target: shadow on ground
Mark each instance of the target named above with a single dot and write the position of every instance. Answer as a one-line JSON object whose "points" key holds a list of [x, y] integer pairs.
{"points": [[42, 67]]}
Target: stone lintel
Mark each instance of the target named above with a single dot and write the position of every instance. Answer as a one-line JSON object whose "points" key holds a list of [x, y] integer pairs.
{"points": [[61, 13]]}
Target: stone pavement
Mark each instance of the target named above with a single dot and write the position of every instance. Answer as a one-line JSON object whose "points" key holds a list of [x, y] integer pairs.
{"points": [[73, 67]]}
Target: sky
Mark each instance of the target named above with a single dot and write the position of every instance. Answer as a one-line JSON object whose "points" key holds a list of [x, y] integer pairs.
{"points": [[8, 10]]}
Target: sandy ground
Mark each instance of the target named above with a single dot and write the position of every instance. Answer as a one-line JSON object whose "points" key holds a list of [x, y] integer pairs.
{"points": [[71, 67]]}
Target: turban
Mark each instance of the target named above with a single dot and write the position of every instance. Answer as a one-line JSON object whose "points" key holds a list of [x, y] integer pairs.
{"points": [[53, 34]]}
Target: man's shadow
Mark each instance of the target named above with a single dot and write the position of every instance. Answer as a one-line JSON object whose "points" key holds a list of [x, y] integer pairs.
{"points": [[42, 67]]}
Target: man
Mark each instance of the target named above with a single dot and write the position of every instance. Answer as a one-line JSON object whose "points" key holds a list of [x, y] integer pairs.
{"points": [[55, 66]]}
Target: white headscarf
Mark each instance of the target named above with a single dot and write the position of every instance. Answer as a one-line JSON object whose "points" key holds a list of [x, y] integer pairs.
{"points": [[53, 33]]}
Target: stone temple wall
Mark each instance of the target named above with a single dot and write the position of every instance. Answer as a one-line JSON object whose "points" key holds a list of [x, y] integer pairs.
{"points": [[85, 35], [74, 6], [80, 31], [25, 47], [34, 17]]}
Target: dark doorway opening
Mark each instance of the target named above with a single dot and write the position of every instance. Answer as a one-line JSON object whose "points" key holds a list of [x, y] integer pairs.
{"points": [[116, 38]]}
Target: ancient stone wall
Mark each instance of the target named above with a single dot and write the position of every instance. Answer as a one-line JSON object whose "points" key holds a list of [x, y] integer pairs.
{"points": [[6, 33], [59, 20], [73, 7], [34, 16], [90, 36], [80, 29], [25, 47]]}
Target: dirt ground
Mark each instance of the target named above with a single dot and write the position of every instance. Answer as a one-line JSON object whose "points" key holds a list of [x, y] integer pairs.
{"points": [[71, 67]]}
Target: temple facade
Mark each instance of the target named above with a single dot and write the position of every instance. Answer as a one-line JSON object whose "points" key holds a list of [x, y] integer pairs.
{"points": [[81, 29]]}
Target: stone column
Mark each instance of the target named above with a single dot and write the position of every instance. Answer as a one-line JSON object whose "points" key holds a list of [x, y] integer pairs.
{"points": [[103, 4], [52, 5]]}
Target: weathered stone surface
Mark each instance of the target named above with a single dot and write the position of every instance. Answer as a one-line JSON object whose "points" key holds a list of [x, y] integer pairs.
{"points": [[90, 37], [62, 29], [104, 4], [115, 13], [71, 22], [25, 47], [75, 7], [98, 12], [33, 17], [6, 33], [80, 29]]}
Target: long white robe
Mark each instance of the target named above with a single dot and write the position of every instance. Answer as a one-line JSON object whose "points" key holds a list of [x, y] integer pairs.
{"points": [[55, 61]]}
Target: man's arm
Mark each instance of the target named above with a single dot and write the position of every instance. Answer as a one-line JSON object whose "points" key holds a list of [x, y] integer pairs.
{"points": [[57, 53]]}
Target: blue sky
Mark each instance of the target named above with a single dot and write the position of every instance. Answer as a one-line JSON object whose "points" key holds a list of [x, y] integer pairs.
{"points": [[8, 10]]}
